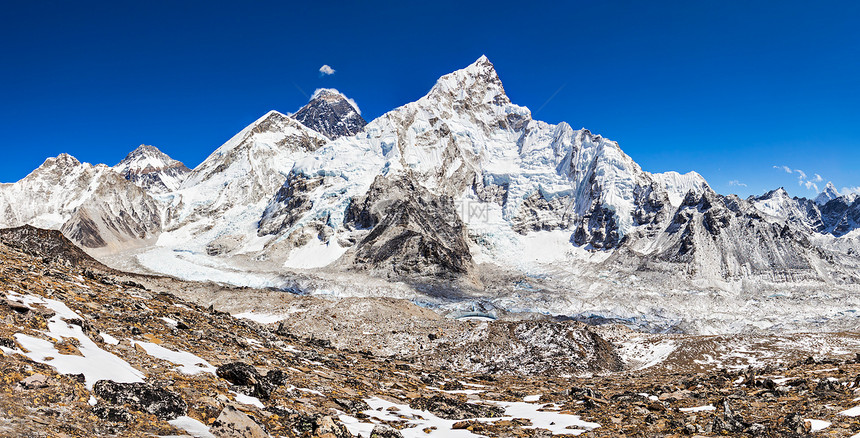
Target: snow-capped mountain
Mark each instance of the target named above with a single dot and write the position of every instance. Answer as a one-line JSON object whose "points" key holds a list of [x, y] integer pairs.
{"points": [[152, 170], [219, 204], [458, 194], [332, 114], [467, 142], [93, 205], [829, 193]]}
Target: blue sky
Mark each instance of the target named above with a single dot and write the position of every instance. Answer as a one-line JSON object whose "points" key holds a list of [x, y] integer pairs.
{"points": [[733, 90]]}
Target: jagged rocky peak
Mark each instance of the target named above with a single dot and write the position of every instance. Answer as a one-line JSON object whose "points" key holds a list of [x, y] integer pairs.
{"points": [[152, 170], [829, 193], [332, 114], [477, 84]]}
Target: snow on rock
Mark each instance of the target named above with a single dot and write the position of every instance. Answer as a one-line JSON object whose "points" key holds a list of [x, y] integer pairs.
{"points": [[542, 416], [262, 318], [828, 194], [193, 427], [705, 408], [108, 339], [152, 170], [94, 363], [188, 362], [94, 206]]}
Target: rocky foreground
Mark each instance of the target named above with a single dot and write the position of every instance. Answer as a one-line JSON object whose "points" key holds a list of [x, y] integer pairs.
{"points": [[88, 351]]}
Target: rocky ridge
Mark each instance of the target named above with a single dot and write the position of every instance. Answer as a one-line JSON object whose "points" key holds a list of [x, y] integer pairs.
{"points": [[201, 372], [152, 170]]}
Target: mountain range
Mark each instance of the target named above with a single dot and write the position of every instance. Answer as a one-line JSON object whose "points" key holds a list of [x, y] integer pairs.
{"points": [[462, 201]]}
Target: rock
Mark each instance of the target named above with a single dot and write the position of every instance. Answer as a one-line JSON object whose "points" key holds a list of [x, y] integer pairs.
{"points": [[827, 386], [160, 402], [383, 431], [453, 385], [35, 381], [249, 381], [232, 423], [584, 393], [6, 342], [352, 405], [728, 422], [413, 231], [111, 413], [328, 428], [795, 423], [453, 409]]}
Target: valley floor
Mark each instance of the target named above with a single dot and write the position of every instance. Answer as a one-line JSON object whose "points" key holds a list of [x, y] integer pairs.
{"points": [[341, 368]]}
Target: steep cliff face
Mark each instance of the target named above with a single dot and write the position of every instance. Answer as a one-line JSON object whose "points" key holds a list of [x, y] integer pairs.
{"points": [[412, 232], [332, 114]]}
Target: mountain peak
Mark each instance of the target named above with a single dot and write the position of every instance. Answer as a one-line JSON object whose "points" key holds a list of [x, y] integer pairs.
{"points": [[331, 113], [478, 81], [152, 170], [829, 193]]}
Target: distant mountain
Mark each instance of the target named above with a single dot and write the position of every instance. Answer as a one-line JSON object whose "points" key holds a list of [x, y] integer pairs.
{"points": [[332, 114], [829, 193], [152, 170], [460, 198], [94, 206]]}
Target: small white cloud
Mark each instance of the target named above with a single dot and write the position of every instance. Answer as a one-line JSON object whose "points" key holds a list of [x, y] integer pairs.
{"points": [[737, 183], [847, 190], [326, 70], [803, 179]]}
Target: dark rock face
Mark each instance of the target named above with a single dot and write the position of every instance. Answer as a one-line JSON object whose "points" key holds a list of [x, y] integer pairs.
{"points": [[50, 245], [113, 414], [160, 402], [331, 114], [291, 202], [239, 373], [249, 381], [413, 232], [451, 408]]}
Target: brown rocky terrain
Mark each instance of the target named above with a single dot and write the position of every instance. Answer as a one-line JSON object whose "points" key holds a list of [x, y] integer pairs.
{"points": [[93, 352]]}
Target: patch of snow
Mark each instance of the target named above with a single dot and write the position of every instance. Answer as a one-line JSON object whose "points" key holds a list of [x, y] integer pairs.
{"points": [[95, 364], [532, 398], [818, 425], [110, 340], [853, 412], [194, 427], [314, 254], [262, 318], [188, 363], [698, 409], [248, 400], [641, 354], [417, 420]]}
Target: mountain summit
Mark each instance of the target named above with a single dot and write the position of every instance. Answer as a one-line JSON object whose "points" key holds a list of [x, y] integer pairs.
{"points": [[332, 114], [152, 170], [829, 193]]}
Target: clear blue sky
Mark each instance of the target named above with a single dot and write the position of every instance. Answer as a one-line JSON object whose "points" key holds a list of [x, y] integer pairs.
{"points": [[729, 89]]}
